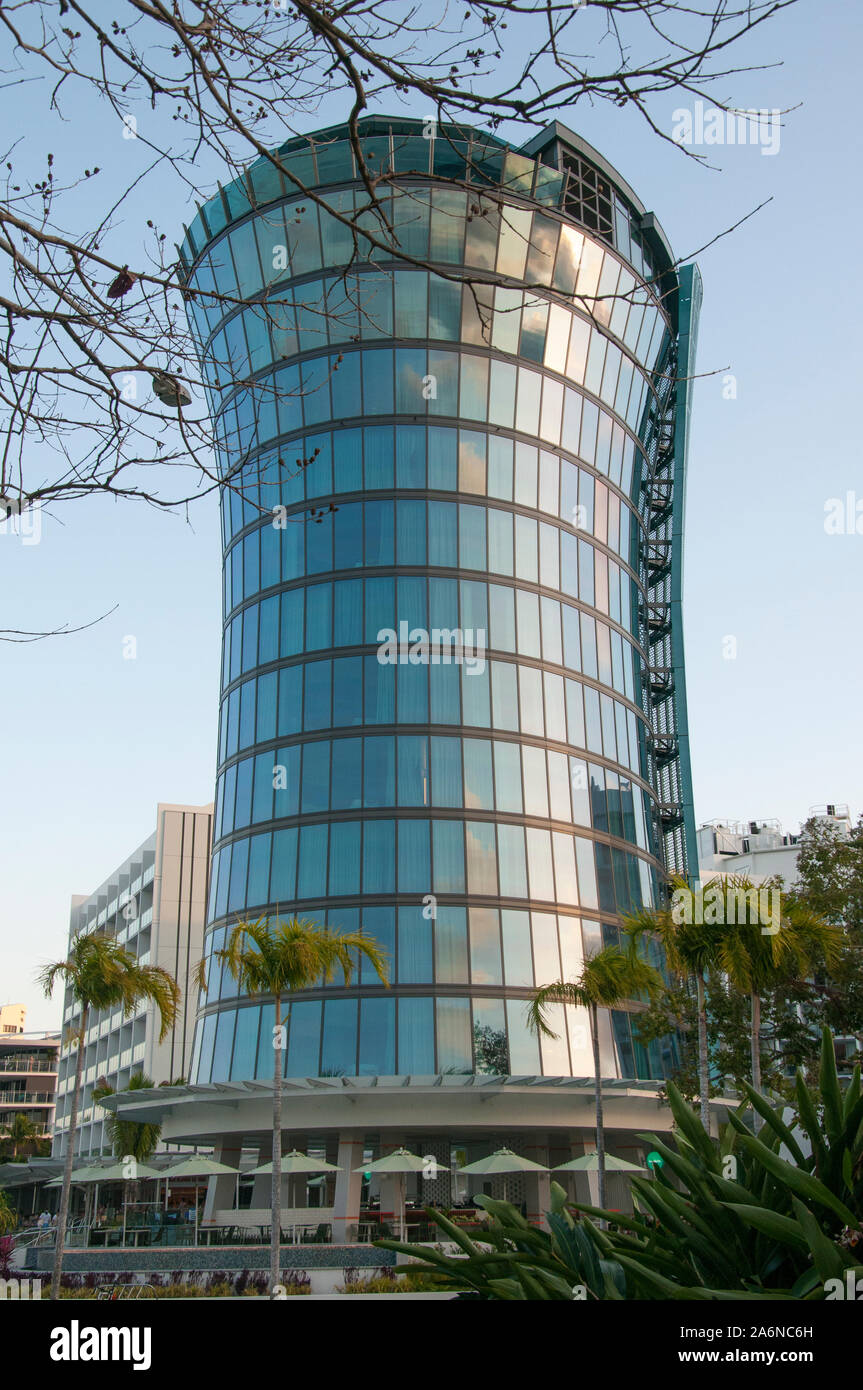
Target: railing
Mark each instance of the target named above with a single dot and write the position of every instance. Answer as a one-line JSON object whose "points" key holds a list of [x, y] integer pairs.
{"points": [[76, 1235], [48, 1063], [30, 1236], [26, 1097]]}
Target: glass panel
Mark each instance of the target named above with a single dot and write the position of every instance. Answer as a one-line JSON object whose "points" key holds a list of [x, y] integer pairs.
{"points": [[312, 872], [344, 857], [491, 1054], [416, 1037], [266, 1060], [454, 1050], [339, 1051], [450, 936], [523, 1043], [304, 1038], [535, 786], [379, 775], [283, 872], [517, 954], [539, 864], [586, 873], [316, 778], [513, 874], [481, 857], [564, 868], [347, 793], [245, 1045], [507, 774], [555, 1049], [446, 772], [478, 785], [415, 946], [208, 1035], [500, 543], [449, 871], [413, 771], [485, 960], [224, 1043], [377, 1037], [379, 857]]}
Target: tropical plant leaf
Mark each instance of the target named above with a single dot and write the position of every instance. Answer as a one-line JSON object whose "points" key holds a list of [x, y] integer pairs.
{"points": [[773, 1224], [801, 1183], [825, 1256], [775, 1122], [831, 1095]]}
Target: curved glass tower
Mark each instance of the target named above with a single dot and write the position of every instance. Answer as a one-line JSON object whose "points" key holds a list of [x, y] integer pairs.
{"points": [[453, 704]]}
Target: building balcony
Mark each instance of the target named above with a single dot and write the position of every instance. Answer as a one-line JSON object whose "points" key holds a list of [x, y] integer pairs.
{"points": [[46, 1065], [40, 1130]]}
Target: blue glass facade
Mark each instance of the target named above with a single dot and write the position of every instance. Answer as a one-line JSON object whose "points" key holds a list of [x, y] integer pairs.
{"points": [[411, 454]]}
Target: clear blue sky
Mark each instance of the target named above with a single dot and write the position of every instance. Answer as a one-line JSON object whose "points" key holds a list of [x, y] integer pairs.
{"points": [[92, 741]]}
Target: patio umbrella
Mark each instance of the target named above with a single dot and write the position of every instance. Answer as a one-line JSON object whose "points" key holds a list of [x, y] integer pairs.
{"points": [[115, 1172], [90, 1172], [589, 1163], [400, 1162], [296, 1162], [86, 1174], [196, 1167], [503, 1161]]}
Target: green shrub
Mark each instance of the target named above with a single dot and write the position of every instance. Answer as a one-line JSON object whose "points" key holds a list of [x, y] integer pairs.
{"points": [[771, 1212]]}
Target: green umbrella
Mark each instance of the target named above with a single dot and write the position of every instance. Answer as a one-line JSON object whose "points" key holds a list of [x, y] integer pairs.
{"points": [[196, 1166], [111, 1172], [296, 1162], [503, 1161], [400, 1162], [115, 1172], [589, 1163], [89, 1173]]}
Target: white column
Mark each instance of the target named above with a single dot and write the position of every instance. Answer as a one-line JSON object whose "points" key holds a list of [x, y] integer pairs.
{"points": [[537, 1186], [221, 1189], [349, 1185]]}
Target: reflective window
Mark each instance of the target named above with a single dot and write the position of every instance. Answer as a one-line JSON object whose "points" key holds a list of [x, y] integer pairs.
{"points": [[454, 1044]]}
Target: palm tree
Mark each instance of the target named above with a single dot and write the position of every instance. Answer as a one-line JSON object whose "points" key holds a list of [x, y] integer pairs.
{"points": [[293, 956], [691, 949], [606, 980], [101, 974], [757, 955], [8, 1217], [130, 1138], [20, 1130]]}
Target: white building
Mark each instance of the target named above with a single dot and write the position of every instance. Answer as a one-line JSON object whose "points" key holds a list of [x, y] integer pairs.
{"points": [[758, 849], [155, 904]]}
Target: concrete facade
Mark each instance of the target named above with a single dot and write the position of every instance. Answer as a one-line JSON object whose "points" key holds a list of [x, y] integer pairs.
{"points": [[155, 904]]}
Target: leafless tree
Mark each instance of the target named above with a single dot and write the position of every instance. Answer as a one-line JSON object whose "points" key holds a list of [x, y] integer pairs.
{"points": [[100, 385]]}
